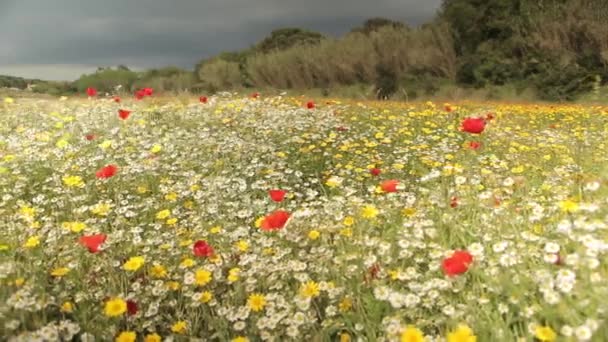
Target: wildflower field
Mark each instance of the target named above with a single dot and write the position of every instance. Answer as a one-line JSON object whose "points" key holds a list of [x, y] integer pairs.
{"points": [[248, 218]]}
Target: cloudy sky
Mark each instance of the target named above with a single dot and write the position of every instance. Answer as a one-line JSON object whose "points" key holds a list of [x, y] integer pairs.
{"points": [[62, 39]]}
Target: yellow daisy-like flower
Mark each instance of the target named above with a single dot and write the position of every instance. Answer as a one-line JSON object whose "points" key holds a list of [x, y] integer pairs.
{"points": [[348, 221], [173, 285], [101, 209], [171, 197], [310, 289], [462, 334], [568, 206], [215, 230], [75, 227], [369, 212], [152, 338], [73, 181], [242, 245], [545, 333], [345, 304], [8, 100], [67, 307], [171, 221], [163, 214], [206, 297], [156, 148], [32, 242], [412, 334], [314, 234], [186, 263], [115, 307], [179, 327], [158, 271], [126, 336], [60, 272], [256, 302], [202, 277], [240, 339], [233, 274], [134, 263]]}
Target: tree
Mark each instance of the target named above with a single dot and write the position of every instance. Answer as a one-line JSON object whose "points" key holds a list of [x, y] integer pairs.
{"points": [[285, 38]]}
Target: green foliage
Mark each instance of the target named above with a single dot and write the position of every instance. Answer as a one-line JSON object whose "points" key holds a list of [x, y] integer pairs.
{"points": [[375, 24], [106, 79], [285, 38], [166, 79]]}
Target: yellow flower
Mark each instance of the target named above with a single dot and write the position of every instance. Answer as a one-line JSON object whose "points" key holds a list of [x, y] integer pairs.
{"points": [[156, 148], [256, 302], [60, 272], [202, 277], [314, 234], [158, 271], [258, 222], [19, 282], [348, 221], [115, 307], [345, 337], [462, 334], [188, 262], [411, 334], [171, 221], [408, 211], [345, 304], [242, 245], [75, 227], [8, 100], [152, 338], [310, 289], [171, 197], [206, 297], [32, 242], [369, 212], [240, 339], [142, 189], [163, 214], [333, 181], [173, 285], [27, 212], [568, 206], [67, 307], [346, 232], [134, 263], [73, 181], [233, 274], [101, 209], [179, 327], [106, 144], [126, 336], [545, 333]]}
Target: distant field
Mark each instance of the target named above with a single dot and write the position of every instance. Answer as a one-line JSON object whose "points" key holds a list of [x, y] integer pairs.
{"points": [[273, 218]]}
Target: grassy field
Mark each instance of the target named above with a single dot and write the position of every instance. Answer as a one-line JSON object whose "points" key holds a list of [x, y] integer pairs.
{"points": [[393, 223]]}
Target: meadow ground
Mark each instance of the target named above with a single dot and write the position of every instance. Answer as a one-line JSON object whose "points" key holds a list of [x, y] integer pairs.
{"points": [[390, 221]]}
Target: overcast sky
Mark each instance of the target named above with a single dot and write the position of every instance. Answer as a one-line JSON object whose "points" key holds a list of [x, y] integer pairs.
{"points": [[62, 39]]}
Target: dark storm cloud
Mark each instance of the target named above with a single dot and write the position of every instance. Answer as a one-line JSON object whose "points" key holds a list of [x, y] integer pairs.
{"points": [[60, 39]]}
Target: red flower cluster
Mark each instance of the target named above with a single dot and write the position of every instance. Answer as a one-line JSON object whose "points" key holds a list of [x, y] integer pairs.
{"points": [[140, 94], [92, 242], [275, 220], [123, 114], [457, 264], [91, 92], [107, 171], [202, 249], [277, 195], [473, 125]]}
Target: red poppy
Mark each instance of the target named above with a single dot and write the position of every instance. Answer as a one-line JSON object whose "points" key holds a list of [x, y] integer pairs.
{"points": [[203, 99], [91, 92], [454, 202], [473, 145], [310, 105], [375, 171], [255, 95], [148, 91], [131, 307], [277, 195], [448, 109], [489, 116], [202, 249], [117, 99], [389, 185], [457, 264], [140, 94], [92, 242], [123, 114], [89, 137], [106, 171], [275, 220], [473, 125]]}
